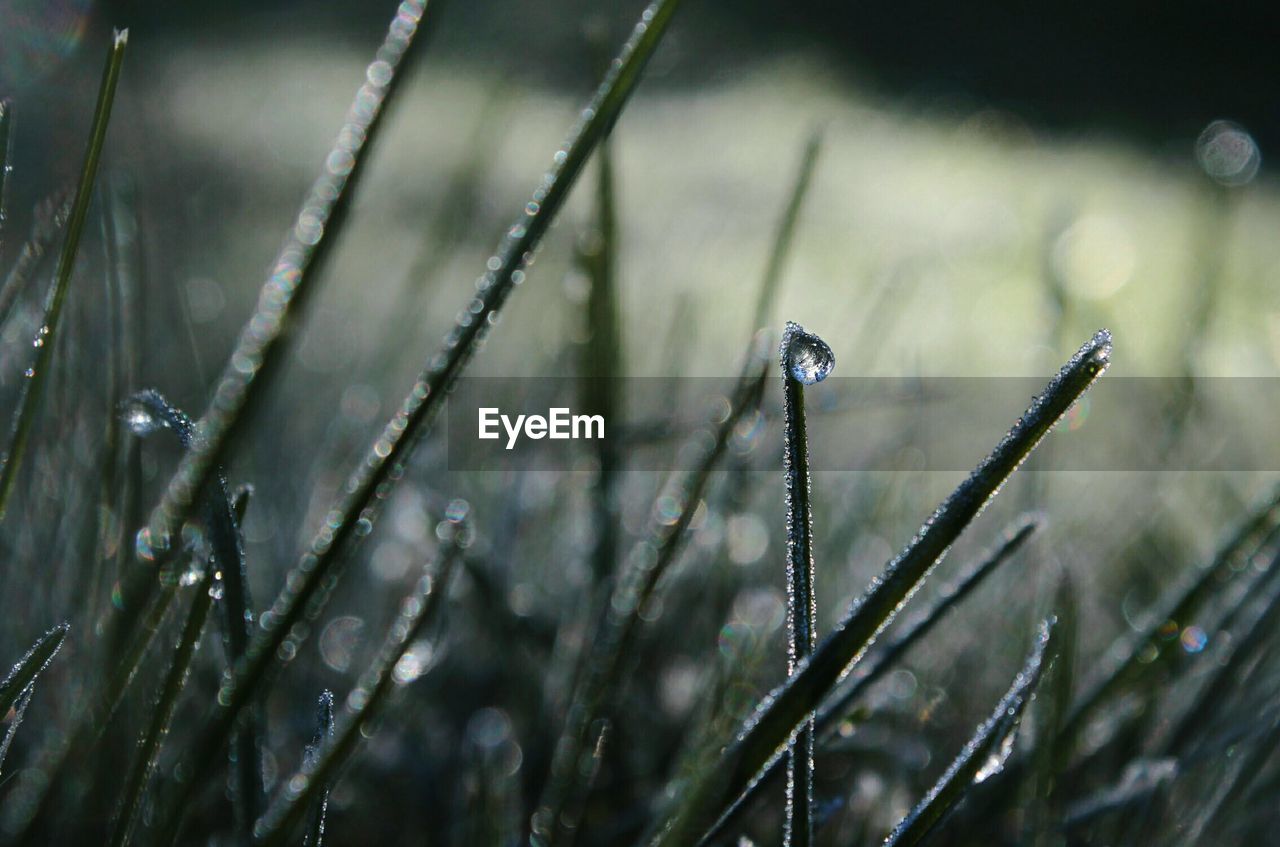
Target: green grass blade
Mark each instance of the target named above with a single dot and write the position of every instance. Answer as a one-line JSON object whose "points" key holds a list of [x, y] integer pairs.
{"points": [[380, 468], [881, 661], [799, 354], [50, 215], [308, 785], [781, 712], [1229, 674], [15, 720], [92, 722], [29, 666], [618, 623], [982, 752], [601, 363], [1049, 758], [6, 164], [1182, 607], [46, 336], [783, 237], [260, 348], [166, 705], [314, 836]]}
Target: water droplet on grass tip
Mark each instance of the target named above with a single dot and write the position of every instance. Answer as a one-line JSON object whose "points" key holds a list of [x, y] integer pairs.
{"points": [[805, 356]]}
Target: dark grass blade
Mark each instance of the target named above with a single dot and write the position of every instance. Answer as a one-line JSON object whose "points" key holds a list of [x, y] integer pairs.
{"points": [[33, 386], [6, 165], [260, 348], [314, 836], [1182, 607], [881, 661], [796, 351], [303, 791], [144, 413], [785, 233], [15, 720], [1229, 674], [135, 784], [376, 472], [1049, 758], [29, 667], [601, 361], [91, 723], [618, 622], [148, 410], [50, 216], [977, 754], [782, 711]]}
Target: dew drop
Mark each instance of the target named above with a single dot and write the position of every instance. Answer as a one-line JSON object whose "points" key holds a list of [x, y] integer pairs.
{"points": [[806, 356]]}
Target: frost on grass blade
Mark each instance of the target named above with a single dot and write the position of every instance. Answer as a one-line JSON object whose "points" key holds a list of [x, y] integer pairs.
{"points": [[30, 666], [981, 758], [881, 660], [314, 836], [16, 690], [374, 476], [324, 211], [766, 733], [147, 412], [805, 359], [419, 610]]}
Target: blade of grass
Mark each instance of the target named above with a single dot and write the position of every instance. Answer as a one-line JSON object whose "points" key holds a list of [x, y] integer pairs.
{"points": [[166, 704], [15, 720], [1049, 758], [314, 836], [804, 359], [91, 723], [602, 360], [372, 479], [879, 662], [1182, 607], [6, 164], [785, 234], [50, 216], [149, 410], [260, 348], [33, 385], [780, 713], [984, 751], [30, 666], [302, 791], [617, 623], [1229, 674]]}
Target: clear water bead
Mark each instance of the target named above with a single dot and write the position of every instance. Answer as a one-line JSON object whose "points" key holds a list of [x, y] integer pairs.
{"points": [[806, 356]]}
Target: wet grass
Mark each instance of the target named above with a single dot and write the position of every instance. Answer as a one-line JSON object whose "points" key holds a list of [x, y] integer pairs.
{"points": [[535, 683]]}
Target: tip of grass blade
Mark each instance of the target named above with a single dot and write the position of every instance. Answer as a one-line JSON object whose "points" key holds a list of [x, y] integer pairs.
{"points": [[983, 756], [31, 665]]}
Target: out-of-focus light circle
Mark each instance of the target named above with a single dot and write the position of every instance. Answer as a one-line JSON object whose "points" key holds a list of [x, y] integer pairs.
{"points": [[1228, 153], [38, 35], [1095, 257]]}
